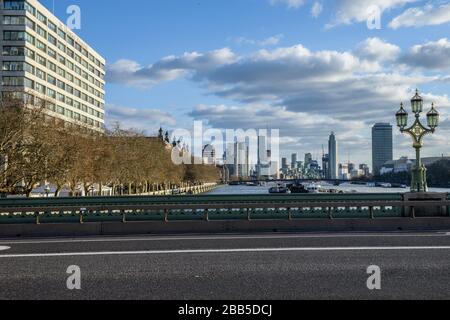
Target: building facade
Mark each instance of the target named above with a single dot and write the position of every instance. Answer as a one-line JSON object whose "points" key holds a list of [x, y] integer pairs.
{"points": [[333, 169], [46, 64], [209, 155], [382, 146]]}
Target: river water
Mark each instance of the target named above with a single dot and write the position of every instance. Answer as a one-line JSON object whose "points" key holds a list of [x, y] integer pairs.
{"points": [[234, 190]]}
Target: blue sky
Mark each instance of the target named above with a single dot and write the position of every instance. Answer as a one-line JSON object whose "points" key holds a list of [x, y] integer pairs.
{"points": [[258, 63]]}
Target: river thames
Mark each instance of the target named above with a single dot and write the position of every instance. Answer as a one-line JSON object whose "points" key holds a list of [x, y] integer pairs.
{"points": [[346, 187]]}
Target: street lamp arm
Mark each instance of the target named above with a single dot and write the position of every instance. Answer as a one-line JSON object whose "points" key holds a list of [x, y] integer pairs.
{"points": [[417, 132]]}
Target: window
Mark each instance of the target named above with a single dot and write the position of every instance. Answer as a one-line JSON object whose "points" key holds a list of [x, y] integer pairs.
{"points": [[52, 66], [41, 32], [51, 79], [61, 72], [61, 59], [52, 53], [41, 74], [41, 46], [62, 34], [61, 85], [61, 98], [14, 35], [29, 83], [14, 20], [13, 51], [17, 66], [61, 47], [60, 110], [51, 93], [29, 38], [52, 40], [13, 81], [71, 41], [40, 88], [41, 60], [52, 26], [29, 53], [41, 17]]}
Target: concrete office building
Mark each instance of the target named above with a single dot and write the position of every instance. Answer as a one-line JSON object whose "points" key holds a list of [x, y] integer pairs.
{"points": [[333, 170], [382, 146], [45, 63]]}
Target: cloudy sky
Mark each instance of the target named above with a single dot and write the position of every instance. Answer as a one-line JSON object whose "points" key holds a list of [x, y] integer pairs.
{"points": [[305, 67]]}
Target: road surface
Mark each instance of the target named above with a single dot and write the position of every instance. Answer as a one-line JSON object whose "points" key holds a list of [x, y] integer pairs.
{"points": [[206, 267]]}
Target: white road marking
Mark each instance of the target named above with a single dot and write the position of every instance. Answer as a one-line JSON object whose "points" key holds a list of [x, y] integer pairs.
{"points": [[255, 250], [259, 237], [4, 248]]}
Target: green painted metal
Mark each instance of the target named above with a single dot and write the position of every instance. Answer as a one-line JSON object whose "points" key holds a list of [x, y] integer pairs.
{"points": [[240, 213]]}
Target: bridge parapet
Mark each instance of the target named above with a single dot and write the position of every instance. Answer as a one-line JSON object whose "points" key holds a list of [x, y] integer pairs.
{"points": [[210, 208]]}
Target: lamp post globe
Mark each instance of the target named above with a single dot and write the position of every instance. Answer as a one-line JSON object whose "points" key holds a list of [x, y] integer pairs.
{"points": [[402, 118], [433, 118], [417, 104]]}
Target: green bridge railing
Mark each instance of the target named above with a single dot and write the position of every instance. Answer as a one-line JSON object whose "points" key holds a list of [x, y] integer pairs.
{"points": [[209, 208]]}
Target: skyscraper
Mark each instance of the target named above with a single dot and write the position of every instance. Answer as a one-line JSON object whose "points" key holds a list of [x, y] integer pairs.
{"points": [[382, 146], [294, 161], [308, 159], [333, 157], [44, 63]]}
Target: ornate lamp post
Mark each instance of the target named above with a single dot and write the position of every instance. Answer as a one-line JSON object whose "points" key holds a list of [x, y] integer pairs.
{"points": [[418, 131]]}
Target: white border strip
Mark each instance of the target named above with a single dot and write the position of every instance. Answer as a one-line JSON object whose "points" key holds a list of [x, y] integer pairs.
{"points": [[256, 250], [231, 237]]}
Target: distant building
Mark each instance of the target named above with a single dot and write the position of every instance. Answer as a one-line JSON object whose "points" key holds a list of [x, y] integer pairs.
{"points": [[308, 159], [344, 173], [333, 156], [326, 165], [209, 155], [294, 161], [364, 169], [382, 146], [405, 165]]}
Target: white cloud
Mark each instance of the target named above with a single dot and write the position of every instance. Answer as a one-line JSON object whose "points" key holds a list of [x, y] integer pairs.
{"points": [[309, 93], [142, 119], [316, 9], [167, 69], [289, 3], [376, 49], [270, 41], [351, 11], [434, 55], [428, 15]]}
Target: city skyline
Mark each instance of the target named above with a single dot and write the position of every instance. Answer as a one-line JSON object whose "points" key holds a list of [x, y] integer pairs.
{"points": [[360, 75]]}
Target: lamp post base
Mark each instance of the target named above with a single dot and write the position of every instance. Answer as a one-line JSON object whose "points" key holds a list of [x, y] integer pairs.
{"points": [[419, 179]]}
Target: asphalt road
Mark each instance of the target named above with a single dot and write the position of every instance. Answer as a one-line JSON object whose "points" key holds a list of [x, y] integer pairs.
{"points": [[210, 267]]}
